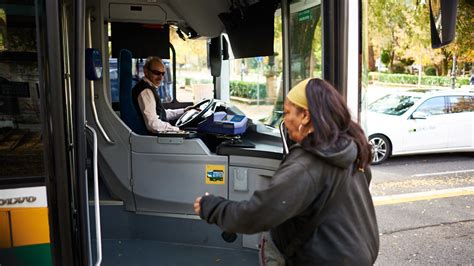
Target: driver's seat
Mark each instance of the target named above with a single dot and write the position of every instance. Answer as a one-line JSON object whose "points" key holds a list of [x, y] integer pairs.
{"points": [[128, 113]]}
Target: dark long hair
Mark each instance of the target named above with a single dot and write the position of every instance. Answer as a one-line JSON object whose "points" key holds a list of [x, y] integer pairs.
{"points": [[332, 121]]}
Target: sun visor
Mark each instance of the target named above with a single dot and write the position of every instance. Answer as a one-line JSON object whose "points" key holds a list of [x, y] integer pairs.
{"points": [[251, 29], [142, 40]]}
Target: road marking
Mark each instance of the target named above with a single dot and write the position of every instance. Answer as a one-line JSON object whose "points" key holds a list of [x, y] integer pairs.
{"points": [[426, 195], [445, 173]]}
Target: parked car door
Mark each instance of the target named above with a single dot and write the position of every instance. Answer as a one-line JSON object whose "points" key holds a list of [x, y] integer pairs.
{"points": [[430, 132], [461, 122]]}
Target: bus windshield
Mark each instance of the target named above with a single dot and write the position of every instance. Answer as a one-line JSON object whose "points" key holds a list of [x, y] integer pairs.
{"points": [[254, 83]]}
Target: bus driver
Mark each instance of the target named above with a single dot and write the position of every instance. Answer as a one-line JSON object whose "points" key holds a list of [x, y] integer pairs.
{"points": [[146, 99]]}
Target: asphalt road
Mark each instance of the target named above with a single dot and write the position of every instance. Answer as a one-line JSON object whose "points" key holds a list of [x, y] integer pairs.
{"points": [[425, 209]]}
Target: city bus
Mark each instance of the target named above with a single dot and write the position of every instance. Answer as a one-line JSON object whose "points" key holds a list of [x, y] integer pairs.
{"points": [[80, 181]]}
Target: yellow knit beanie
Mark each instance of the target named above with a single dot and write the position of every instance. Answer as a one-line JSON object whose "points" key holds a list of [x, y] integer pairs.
{"points": [[297, 94]]}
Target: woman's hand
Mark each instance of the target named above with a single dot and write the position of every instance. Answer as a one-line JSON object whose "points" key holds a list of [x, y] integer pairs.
{"points": [[197, 204]]}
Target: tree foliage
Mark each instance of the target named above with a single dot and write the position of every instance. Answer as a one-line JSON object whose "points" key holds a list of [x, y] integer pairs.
{"points": [[385, 57], [463, 45], [402, 27], [189, 51]]}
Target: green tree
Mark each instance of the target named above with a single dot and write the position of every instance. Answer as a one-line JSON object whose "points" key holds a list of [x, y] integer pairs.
{"points": [[385, 57], [463, 44], [388, 27], [402, 27], [189, 51]]}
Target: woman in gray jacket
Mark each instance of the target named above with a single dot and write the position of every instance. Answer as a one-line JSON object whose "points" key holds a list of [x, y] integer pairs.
{"points": [[318, 207]]}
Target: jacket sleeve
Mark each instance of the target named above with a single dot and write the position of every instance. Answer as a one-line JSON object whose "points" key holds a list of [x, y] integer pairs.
{"points": [[173, 114], [290, 192]]}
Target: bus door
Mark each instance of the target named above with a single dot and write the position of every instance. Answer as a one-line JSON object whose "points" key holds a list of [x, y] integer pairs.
{"points": [[24, 223], [43, 194]]}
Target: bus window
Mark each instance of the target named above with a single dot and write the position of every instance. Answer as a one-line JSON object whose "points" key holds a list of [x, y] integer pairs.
{"points": [[193, 76], [256, 83]]}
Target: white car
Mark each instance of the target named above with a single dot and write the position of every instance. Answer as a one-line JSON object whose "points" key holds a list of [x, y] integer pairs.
{"points": [[416, 121]]}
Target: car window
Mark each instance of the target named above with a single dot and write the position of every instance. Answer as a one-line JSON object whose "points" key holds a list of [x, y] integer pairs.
{"points": [[461, 104], [433, 106], [393, 104]]}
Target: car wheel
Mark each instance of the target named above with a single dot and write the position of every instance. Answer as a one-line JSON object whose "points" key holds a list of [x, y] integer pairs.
{"points": [[381, 148]]}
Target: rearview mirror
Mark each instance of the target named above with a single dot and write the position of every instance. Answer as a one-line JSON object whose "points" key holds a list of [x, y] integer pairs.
{"points": [[215, 56], [442, 22], [418, 115]]}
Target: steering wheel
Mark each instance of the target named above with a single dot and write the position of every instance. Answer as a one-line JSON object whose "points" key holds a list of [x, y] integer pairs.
{"points": [[199, 111]]}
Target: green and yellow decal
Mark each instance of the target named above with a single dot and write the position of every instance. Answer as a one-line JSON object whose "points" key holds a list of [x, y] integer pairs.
{"points": [[215, 174], [24, 226]]}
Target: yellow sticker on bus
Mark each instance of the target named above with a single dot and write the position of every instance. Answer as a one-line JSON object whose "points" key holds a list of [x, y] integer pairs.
{"points": [[215, 174]]}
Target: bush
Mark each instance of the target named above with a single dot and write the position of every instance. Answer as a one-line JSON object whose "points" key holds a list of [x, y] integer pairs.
{"points": [[385, 57], [413, 79], [374, 75], [247, 90], [398, 68], [430, 71], [187, 82]]}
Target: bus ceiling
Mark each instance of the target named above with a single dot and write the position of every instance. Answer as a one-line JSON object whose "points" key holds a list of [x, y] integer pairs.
{"points": [[246, 22], [200, 16]]}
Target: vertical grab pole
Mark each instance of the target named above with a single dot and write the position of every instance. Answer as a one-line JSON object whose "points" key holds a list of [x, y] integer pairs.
{"points": [[98, 234], [285, 16], [283, 137]]}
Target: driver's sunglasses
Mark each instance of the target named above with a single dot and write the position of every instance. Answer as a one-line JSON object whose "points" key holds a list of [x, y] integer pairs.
{"points": [[157, 72]]}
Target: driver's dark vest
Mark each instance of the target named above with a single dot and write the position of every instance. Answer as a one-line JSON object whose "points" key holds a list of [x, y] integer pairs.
{"points": [[141, 86]]}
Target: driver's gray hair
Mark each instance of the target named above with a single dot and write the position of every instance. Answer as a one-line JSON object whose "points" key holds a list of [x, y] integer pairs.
{"points": [[150, 60]]}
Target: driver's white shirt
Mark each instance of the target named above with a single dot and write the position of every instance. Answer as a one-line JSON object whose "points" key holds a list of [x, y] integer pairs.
{"points": [[147, 104]]}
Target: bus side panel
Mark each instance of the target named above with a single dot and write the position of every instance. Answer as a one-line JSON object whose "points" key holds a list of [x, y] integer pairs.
{"points": [[5, 233], [29, 226]]}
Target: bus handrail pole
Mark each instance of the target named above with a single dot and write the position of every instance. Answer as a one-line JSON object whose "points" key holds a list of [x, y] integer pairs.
{"points": [[91, 84], [98, 233], [173, 52], [285, 15], [283, 137]]}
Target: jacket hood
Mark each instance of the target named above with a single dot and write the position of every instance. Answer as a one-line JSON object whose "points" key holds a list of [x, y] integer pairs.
{"points": [[343, 155]]}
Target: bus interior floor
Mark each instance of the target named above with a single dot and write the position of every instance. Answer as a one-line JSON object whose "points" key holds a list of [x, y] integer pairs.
{"points": [[130, 238], [145, 252]]}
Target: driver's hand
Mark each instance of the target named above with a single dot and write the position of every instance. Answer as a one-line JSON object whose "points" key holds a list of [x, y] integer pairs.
{"points": [[173, 129], [191, 107]]}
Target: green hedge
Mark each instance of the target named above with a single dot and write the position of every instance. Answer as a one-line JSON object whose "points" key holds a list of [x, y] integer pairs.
{"points": [[413, 79], [248, 90], [430, 71], [242, 89]]}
